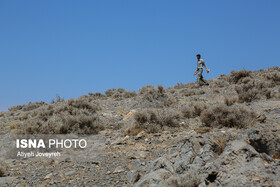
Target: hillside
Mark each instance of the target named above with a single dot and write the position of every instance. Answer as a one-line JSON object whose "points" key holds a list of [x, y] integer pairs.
{"points": [[225, 134]]}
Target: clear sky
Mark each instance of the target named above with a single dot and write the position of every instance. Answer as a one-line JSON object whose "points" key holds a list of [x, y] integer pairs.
{"points": [[72, 48]]}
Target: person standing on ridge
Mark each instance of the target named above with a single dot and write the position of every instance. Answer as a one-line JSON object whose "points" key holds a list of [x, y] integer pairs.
{"points": [[199, 70]]}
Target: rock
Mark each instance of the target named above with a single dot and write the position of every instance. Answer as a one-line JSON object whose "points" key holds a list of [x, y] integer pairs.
{"points": [[118, 141], [237, 166], [261, 118], [132, 176], [127, 116], [119, 169], [265, 138], [160, 163], [155, 178], [70, 173], [48, 176], [6, 181], [108, 141], [141, 154], [140, 135], [200, 156]]}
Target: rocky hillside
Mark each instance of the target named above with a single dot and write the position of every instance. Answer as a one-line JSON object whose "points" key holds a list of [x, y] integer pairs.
{"points": [[225, 134]]}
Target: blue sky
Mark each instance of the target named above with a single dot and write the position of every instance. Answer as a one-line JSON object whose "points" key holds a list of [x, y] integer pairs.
{"points": [[71, 48]]}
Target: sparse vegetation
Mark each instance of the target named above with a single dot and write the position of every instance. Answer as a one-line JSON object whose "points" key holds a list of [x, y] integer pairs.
{"points": [[230, 100], [274, 77], [57, 99], [189, 92], [237, 76], [252, 90], [224, 116], [188, 128], [120, 93], [72, 116], [153, 121], [219, 84], [97, 95], [193, 110], [154, 97]]}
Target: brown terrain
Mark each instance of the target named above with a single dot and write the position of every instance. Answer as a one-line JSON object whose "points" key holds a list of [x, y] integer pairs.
{"points": [[225, 134]]}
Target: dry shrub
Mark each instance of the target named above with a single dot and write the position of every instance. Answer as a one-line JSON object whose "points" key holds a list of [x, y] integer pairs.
{"points": [[224, 116], [83, 103], [2, 114], [28, 107], [171, 90], [153, 121], [187, 85], [190, 92], [96, 95], [120, 93], [253, 90], [76, 116], [110, 92], [80, 124], [245, 80], [15, 108], [179, 85], [57, 99], [237, 76], [230, 100], [274, 77], [193, 110], [154, 97], [219, 84], [129, 94]]}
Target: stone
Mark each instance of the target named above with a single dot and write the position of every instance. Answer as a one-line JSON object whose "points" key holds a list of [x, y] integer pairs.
{"points": [[265, 138], [48, 176], [6, 181], [140, 135], [119, 169], [70, 173], [127, 116], [132, 176], [155, 178]]}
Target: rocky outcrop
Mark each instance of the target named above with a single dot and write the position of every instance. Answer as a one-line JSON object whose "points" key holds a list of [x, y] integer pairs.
{"points": [[201, 161]]}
